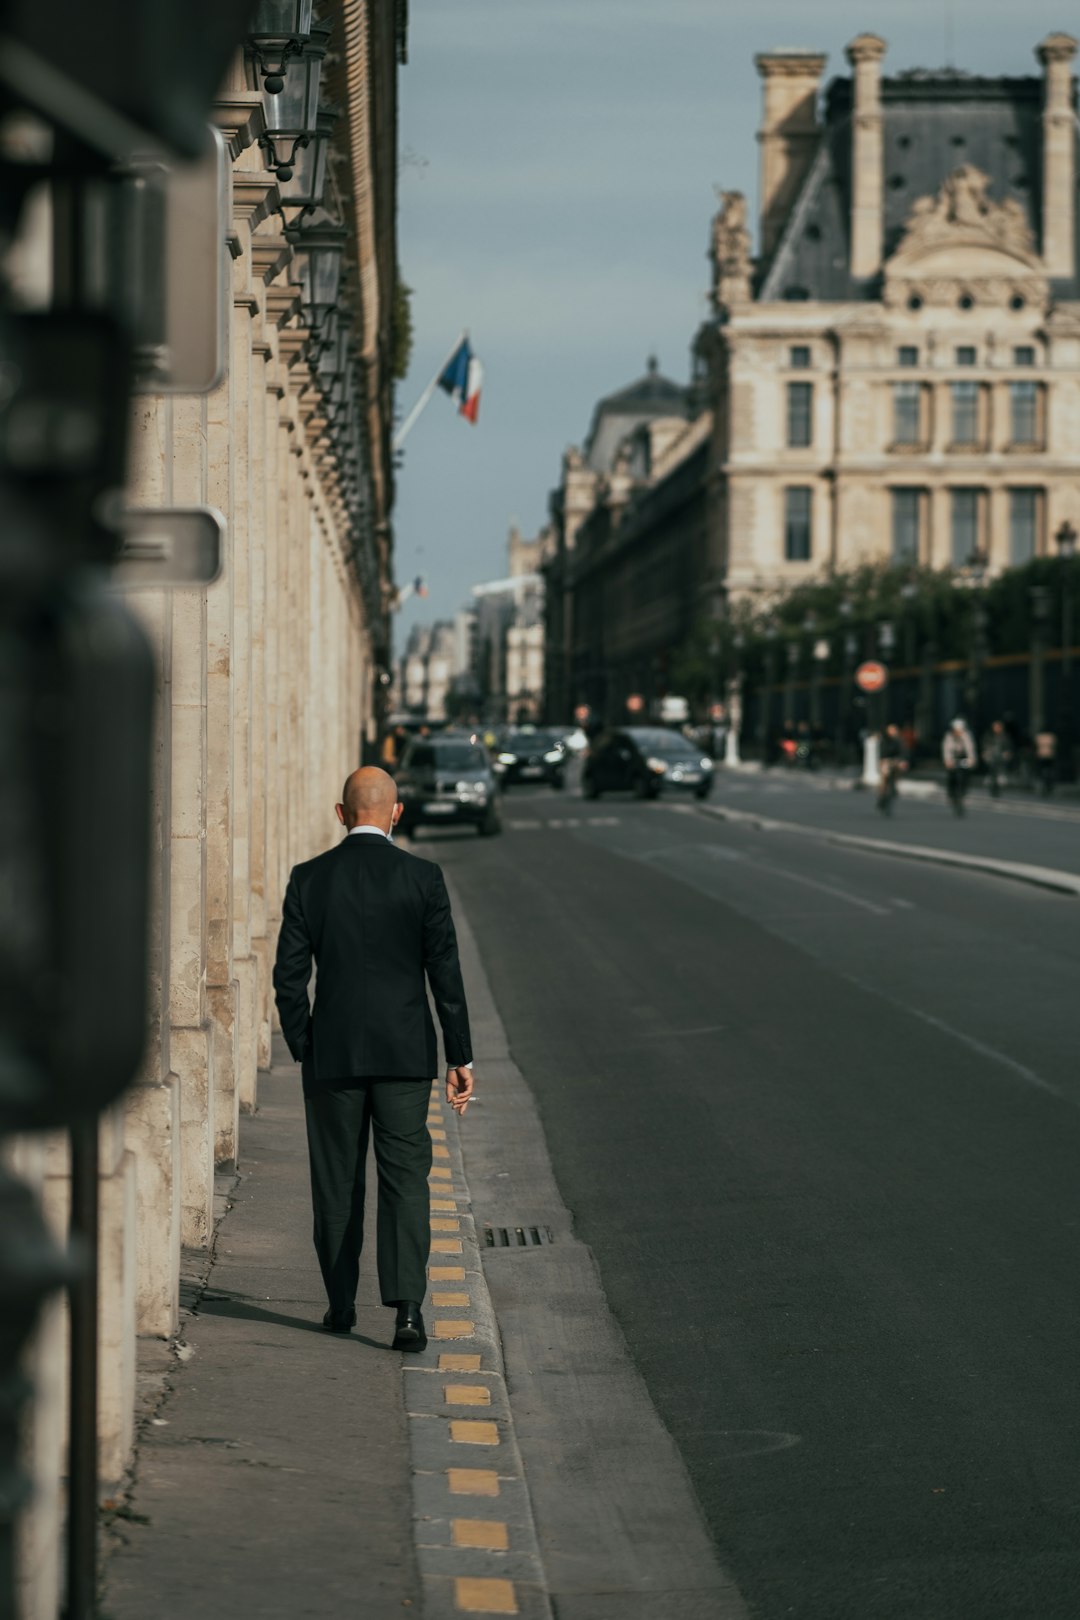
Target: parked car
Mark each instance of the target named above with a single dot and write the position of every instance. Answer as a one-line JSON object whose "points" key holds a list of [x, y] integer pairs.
{"points": [[448, 780], [530, 756], [645, 760]]}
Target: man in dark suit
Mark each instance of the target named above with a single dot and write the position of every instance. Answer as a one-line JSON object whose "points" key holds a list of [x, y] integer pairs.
{"points": [[375, 921]]}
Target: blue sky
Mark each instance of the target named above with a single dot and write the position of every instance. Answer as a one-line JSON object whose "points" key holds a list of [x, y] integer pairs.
{"points": [[558, 165]]}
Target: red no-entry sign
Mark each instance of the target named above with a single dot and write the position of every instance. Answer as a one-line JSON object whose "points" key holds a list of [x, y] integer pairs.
{"points": [[871, 676]]}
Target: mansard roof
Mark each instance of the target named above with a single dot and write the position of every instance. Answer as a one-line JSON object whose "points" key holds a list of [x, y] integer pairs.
{"points": [[617, 414], [933, 122]]}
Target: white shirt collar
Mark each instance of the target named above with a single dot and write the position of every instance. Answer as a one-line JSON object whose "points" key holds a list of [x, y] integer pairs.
{"points": [[368, 828]]}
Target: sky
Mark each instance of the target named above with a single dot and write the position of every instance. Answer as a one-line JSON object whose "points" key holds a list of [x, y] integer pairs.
{"points": [[558, 166]]}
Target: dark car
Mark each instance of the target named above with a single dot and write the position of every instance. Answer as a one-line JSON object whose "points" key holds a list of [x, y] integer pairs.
{"points": [[645, 760], [530, 756], [448, 780]]}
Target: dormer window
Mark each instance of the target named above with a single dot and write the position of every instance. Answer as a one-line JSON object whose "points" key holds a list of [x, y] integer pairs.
{"points": [[799, 357]]}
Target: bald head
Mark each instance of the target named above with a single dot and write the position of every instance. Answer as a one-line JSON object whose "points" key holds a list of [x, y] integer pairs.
{"points": [[368, 798]]}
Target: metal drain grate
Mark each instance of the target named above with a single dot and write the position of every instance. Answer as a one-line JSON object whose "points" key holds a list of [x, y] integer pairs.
{"points": [[517, 1237]]}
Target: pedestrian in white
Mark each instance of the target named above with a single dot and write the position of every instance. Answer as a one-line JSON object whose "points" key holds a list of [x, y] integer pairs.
{"points": [[960, 757]]}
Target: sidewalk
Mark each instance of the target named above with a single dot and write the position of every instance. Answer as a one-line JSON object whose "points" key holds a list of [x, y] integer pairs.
{"points": [[273, 1477]]}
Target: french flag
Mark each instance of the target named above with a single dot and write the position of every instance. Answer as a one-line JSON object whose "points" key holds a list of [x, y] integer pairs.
{"points": [[461, 378]]}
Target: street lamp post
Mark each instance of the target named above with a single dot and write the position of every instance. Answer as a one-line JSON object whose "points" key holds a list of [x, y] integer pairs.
{"points": [[1065, 539], [1040, 613], [767, 691], [849, 649], [887, 647], [734, 703]]}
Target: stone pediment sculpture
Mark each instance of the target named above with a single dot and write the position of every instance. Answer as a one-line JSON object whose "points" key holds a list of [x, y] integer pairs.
{"points": [[732, 264], [963, 244]]}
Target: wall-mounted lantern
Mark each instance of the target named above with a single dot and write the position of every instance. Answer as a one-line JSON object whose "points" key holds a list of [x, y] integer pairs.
{"points": [[277, 33]]}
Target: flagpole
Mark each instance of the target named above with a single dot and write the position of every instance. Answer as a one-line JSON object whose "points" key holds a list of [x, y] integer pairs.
{"points": [[425, 398]]}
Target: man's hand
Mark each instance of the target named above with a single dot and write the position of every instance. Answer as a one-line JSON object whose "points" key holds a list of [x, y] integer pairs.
{"points": [[459, 1088]]}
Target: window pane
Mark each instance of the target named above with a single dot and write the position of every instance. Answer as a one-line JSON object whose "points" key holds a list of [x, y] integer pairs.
{"points": [[1023, 516], [906, 413], [799, 358], [965, 412], [907, 355], [799, 405], [797, 524], [1025, 424], [965, 525], [1024, 356], [965, 356], [905, 525]]}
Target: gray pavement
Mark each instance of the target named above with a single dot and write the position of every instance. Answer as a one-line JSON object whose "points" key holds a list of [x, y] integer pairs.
{"points": [[273, 1476], [814, 1113]]}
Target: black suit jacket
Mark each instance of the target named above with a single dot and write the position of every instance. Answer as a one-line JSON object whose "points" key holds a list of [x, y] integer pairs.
{"points": [[376, 921]]}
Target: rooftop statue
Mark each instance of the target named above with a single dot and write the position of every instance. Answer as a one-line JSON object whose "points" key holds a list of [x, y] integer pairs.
{"points": [[732, 264]]}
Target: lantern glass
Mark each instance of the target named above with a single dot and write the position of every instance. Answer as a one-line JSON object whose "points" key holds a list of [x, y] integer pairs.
{"points": [[296, 108], [280, 20], [304, 188]]}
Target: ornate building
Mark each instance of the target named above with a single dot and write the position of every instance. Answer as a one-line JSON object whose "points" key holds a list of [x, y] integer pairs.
{"points": [[897, 376]]}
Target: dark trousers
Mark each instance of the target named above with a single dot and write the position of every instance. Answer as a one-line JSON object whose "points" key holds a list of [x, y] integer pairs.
{"points": [[339, 1122]]}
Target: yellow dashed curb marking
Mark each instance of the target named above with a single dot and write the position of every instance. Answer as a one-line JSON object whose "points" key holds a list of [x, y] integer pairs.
{"points": [[446, 1273], [451, 1361], [474, 1595], [441, 1172], [437, 1133], [449, 1329], [473, 1432], [446, 1301], [440, 1152], [467, 1395], [473, 1481], [443, 1223], [486, 1533], [446, 1245], [443, 1203]]}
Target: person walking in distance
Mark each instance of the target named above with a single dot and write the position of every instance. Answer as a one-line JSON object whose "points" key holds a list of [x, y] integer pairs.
{"points": [[376, 922], [960, 759], [997, 757], [1046, 760], [893, 764]]}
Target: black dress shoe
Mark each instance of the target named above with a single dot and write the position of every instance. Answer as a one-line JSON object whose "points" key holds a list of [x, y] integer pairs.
{"points": [[340, 1324], [409, 1331]]}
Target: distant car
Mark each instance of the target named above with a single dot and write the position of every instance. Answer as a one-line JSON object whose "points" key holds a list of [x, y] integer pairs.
{"points": [[530, 756], [448, 780], [645, 760]]}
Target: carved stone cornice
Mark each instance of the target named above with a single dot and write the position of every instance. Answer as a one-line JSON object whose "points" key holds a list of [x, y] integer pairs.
{"points": [[282, 301], [292, 344], [270, 252], [255, 196], [241, 118]]}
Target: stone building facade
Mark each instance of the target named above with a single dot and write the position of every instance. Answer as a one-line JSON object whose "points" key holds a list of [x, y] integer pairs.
{"points": [[268, 690], [897, 375], [894, 376]]}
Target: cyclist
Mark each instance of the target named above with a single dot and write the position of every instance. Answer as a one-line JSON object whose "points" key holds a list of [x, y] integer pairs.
{"points": [[893, 762], [960, 759]]}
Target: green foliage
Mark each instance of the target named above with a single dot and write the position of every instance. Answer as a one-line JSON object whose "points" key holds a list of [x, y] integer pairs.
{"points": [[401, 328], [930, 610]]}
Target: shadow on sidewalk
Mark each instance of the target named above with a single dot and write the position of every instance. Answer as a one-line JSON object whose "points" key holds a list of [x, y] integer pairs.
{"points": [[243, 1311]]}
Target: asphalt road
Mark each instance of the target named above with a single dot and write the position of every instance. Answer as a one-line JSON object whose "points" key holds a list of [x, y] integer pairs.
{"points": [[816, 1113], [1016, 827]]}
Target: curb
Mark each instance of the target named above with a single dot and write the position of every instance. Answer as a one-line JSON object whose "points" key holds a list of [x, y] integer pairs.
{"points": [[476, 1544], [1039, 877]]}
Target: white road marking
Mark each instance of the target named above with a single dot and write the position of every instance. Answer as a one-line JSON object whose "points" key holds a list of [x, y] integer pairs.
{"points": [[905, 905], [825, 888], [525, 826], [1006, 1062]]}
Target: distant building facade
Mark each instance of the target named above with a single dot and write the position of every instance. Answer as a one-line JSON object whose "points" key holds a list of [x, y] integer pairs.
{"points": [[619, 584], [897, 376]]}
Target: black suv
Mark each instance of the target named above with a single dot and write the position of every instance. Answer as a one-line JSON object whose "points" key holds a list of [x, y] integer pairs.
{"points": [[448, 780], [530, 756], [645, 760]]}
